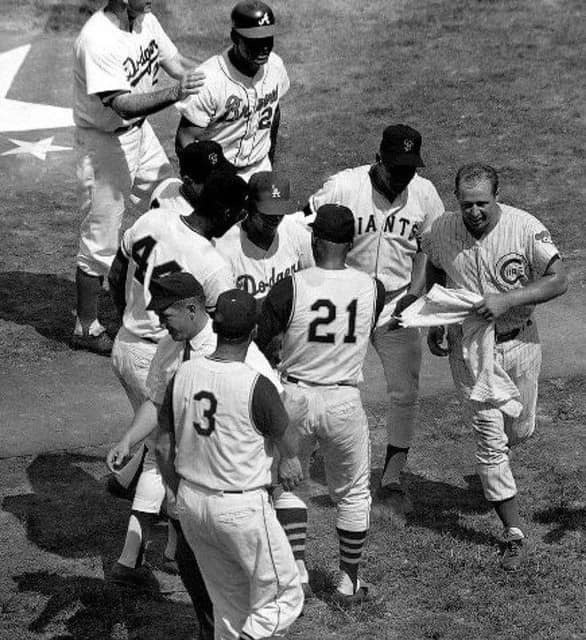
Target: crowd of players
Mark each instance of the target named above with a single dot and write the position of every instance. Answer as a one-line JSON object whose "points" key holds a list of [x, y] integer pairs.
{"points": [[245, 323]]}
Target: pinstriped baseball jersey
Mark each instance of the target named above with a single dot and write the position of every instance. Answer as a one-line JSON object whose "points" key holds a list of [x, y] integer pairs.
{"points": [[167, 195], [237, 111], [332, 316], [218, 444], [516, 252], [386, 232], [257, 270], [107, 58], [161, 242]]}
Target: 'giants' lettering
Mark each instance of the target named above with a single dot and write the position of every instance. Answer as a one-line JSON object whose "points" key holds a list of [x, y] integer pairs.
{"points": [[401, 224]]}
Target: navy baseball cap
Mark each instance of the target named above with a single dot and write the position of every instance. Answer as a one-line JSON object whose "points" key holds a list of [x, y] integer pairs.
{"points": [[334, 223], [201, 158], [401, 146], [172, 288], [270, 193], [235, 315]]}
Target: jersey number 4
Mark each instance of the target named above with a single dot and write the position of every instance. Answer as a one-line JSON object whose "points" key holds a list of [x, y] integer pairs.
{"points": [[208, 413], [330, 307], [141, 251]]}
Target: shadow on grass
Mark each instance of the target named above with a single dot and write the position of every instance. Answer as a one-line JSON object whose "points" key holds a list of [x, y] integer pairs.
{"points": [[45, 302], [565, 519]]}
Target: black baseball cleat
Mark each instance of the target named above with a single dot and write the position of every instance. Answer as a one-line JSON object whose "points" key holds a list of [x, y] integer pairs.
{"points": [[100, 344], [140, 579], [515, 554]]}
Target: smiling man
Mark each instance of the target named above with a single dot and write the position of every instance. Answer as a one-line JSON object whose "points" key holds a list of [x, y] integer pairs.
{"points": [[507, 256], [239, 104], [118, 57]]}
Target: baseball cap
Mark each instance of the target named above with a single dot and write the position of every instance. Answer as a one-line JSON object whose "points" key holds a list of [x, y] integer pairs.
{"points": [[222, 190], [235, 315], [270, 192], [401, 146], [169, 289], [199, 159], [253, 19], [335, 223]]}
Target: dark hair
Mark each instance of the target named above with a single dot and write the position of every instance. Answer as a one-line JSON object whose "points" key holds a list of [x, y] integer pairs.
{"points": [[198, 299], [475, 172], [222, 191]]}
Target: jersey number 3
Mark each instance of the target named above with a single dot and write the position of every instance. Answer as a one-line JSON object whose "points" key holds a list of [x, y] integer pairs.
{"points": [[208, 413], [330, 307]]}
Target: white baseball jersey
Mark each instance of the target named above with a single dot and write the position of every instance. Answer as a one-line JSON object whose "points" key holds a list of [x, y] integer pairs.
{"points": [[236, 110], [327, 316], [160, 242], [167, 195], [386, 232], [517, 251], [170, 355], [223, 412], [107, 58], [255, 269]]}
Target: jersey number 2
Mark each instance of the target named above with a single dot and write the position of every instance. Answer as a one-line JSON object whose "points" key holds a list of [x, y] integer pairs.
{"points": [[209, 413], [141, 251], [330, 307]]}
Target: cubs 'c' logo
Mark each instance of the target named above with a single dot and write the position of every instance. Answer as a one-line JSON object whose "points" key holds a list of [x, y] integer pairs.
{"points": [[513, 268], [543, 236]]}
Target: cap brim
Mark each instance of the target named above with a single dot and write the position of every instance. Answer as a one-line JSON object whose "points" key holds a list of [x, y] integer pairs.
{"points": [[256, 32], [402, 160], [273, 207], [160, 304]]}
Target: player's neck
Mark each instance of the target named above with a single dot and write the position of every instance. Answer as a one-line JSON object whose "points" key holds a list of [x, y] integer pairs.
{"points": [[331, 264], [261, 241], [229, 352], [201, 226]]}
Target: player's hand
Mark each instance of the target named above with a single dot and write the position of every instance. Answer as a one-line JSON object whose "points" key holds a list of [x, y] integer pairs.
{"points": [[190, 84], [492, 306], [290, 473], [406, 301], [117, 454], [435, 341]]}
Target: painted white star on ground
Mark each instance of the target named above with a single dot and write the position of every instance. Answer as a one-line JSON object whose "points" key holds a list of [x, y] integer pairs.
{"points": [[38, 149]]}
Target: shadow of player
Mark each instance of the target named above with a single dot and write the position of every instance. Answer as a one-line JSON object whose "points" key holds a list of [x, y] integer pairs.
{"points": [[565, 519]]}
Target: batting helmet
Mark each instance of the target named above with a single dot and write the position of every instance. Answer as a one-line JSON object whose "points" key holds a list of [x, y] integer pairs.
{"points": [[253, 19]]}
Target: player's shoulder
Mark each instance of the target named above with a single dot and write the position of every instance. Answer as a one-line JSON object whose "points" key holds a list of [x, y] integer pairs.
{"points": [[230, 243], [422, 186], [357, 275], [353, 174], [519, 216], [449, 223], [96, 29], [293, 226], [276, 61]]}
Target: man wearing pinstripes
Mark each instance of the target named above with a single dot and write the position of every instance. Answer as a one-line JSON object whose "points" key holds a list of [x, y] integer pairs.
{"points": [[507, 256]]}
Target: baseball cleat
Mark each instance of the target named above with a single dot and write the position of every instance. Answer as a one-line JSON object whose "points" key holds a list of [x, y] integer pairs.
{"points": [[514, 554], [345, 600], [141, 578], [100, 344]]}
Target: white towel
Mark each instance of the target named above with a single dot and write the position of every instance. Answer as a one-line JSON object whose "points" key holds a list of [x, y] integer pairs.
{"points": [[441, 306]]}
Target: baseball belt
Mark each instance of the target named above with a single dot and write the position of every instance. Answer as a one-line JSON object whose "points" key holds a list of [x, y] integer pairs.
{"points": [[342, 383], [499, 338], [133, 125]]}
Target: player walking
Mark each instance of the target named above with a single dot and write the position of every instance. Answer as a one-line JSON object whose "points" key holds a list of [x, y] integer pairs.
{"points": [[507, 256], [117, 59], [392, 205], [162, 242], [327, 314], [239, 104], [223, 421]]}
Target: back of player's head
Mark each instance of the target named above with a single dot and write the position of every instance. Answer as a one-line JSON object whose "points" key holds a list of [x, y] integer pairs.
{"points": [[477, 172], [173, 288], [235, 315], [200, 159], [334, 223], [223, 194]]}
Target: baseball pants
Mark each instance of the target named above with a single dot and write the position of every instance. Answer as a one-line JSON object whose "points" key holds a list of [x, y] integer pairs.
{"points": [[247, 172], [131, 360], [245, 559], [113, 169], [494, 432], [333, 416], [400, 355]]}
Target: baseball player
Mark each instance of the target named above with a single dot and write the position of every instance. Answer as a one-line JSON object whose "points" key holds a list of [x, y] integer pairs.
{"points": [[327, 314], [118, 56], [162, 242], [179, 301], [220, 421], [263, 249], [196, 163], [392, 205], [507, 256], [239, 104]]}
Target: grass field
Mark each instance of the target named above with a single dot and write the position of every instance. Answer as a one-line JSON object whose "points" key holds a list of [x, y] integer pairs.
{"points": [[492, 80]]}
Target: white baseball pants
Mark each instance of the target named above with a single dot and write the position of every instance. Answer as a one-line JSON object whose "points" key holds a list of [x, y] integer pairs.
{"points": [[494, 432], [400, 354], [113, 169], [245, 560], [333, 416]]}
